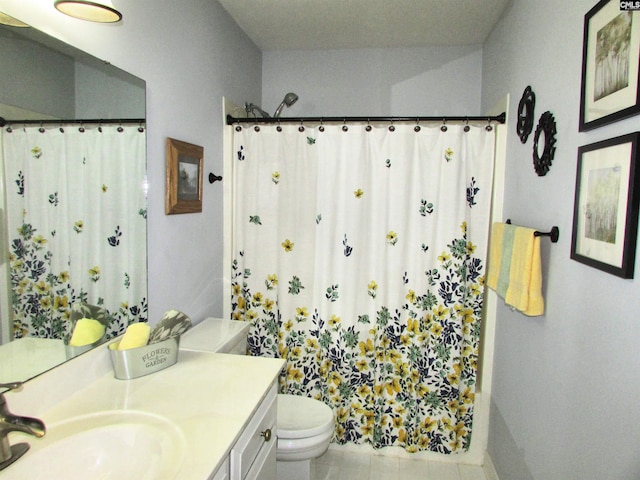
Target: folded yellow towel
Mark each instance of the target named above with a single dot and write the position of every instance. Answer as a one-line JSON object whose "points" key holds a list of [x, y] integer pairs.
{"points": [[515, 270], [86, 332], [137, 335]]}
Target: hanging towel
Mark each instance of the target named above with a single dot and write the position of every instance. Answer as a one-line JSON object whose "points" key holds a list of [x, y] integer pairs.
{"points": [[515, 271]]}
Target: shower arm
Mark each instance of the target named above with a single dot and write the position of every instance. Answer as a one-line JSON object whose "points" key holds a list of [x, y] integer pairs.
{"points": [[251, 108]]}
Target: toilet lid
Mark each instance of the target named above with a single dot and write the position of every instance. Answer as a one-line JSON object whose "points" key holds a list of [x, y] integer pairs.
{"points": [[300, 417]]}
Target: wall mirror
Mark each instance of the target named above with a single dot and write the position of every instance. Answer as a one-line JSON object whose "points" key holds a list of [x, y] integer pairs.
{"points": [[53, 88]]}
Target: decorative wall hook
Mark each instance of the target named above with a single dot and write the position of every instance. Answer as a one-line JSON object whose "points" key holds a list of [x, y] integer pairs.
{"points": [[214, 178]]}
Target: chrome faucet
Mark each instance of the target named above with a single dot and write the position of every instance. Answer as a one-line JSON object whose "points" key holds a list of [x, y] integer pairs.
{"points": [[13, 423]]}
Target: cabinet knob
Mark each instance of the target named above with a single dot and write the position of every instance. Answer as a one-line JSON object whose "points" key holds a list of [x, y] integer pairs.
{"points": [[266, 434]]}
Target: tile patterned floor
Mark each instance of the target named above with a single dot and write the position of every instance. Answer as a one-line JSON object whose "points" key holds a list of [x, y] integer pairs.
{"points": [[336, 465]]}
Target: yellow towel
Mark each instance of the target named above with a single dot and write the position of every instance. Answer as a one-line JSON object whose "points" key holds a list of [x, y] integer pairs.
{"points": [[137, 335], [515, 269], [86, 332]]}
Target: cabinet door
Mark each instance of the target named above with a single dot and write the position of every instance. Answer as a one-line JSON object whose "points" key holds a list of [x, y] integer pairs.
{"points": [[223, 471], [256, 439], [264, 466]]}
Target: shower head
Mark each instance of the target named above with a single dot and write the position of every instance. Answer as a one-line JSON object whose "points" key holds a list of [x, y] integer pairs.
{"points": [[289, 99]]}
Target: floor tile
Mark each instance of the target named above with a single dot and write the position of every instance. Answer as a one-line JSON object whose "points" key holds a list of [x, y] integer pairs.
{"points": [[413, 469], [471, 472], [349, 465], [443, 471]]}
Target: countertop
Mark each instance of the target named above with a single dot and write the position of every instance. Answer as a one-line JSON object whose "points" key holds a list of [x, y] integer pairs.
{"points": [[210, 397]]}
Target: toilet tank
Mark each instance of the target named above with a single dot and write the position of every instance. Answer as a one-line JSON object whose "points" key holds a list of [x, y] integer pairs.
{"points": [[216, 335]]}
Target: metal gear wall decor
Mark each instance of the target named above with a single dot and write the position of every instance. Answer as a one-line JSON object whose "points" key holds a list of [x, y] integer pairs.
{"points": [[524, 123], [547, 127]]}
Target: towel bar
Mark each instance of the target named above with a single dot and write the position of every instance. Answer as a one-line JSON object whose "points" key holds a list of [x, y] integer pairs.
{"points": [[554, 233]]}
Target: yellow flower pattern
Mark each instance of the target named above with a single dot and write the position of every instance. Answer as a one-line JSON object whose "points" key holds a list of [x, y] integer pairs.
{"points": [[394, 354]]}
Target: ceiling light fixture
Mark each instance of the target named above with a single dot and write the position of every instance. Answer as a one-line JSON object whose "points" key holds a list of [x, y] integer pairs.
{"points": [[101, 11]]}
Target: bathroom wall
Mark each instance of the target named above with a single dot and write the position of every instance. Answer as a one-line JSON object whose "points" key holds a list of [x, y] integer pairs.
{"points": [[52, 71], [566, 390], [190, 54], [378, 81], [565, 385]]}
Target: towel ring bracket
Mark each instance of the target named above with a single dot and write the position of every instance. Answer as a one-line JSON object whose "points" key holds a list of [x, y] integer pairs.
{"points": [[554, 233]]}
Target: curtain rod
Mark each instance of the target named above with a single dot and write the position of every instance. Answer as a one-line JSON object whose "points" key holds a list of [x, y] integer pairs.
{"points": [[4, 121], [496, 118]]}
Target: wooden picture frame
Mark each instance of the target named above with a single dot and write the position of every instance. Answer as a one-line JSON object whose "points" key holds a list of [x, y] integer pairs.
{"points": [[610, 65], [605, 214], [184, 177]]}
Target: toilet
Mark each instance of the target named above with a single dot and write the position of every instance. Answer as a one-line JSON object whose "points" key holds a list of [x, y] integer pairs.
{"points": [[304, 425]]}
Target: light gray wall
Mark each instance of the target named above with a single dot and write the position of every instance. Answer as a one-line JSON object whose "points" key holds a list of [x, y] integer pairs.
{"points": [[38, 79], [107, 93], [45, 81], [376, 82], [190, 54], [565, 385]]}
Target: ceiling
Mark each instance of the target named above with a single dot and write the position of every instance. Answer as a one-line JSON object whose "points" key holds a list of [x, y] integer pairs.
{"points": [[342, 24]]}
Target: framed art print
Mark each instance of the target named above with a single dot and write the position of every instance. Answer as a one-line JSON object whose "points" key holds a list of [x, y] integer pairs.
{"points": [[184, 177], [605, 214], [610, 61]]}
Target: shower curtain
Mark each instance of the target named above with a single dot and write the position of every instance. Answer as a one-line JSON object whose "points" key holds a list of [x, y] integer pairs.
{"points": [[359, 257], [76, 218]]}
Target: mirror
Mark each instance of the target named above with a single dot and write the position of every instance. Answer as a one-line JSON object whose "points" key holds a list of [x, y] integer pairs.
{"points": [[45, 79]]}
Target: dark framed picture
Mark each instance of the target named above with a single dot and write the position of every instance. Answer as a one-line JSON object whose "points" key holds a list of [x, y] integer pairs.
{"points": [[610, 61], [184, 177], [605, 213]]}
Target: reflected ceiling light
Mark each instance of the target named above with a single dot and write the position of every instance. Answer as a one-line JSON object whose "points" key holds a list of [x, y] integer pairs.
{"points": [[95, 11], [12, 22]]}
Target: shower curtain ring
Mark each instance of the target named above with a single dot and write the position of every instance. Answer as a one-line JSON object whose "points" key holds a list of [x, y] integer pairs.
{"points": [[392, 127], [344, 125], [81, 128], [368, 127], [301, 127], [417, 127], [321, 127], [61, 128], [466, 125], [140, 127], [120, 129], [100, 127], [41, 129], [279, 127], [443, 128], [488, 128]]}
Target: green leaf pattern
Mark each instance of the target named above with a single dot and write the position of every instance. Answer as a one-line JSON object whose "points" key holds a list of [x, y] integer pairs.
{"points": [[49, 272], [383, 325]]}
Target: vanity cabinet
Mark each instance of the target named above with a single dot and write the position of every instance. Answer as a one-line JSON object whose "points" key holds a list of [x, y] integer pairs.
{"points": [[253, 456], [223, 471]]}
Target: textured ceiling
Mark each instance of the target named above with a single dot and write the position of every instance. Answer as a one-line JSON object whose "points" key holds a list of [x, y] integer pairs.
{"points": [[339, 24]]}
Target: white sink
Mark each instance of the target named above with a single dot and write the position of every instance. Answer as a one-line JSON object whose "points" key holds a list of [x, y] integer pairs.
{"points": [[107, 445]]}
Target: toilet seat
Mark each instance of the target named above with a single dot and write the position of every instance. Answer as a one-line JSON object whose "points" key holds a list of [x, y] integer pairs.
{"points": [[302, 417]]}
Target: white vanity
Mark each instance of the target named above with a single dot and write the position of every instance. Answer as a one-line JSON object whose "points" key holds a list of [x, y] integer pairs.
{"points": [[209, 416]]}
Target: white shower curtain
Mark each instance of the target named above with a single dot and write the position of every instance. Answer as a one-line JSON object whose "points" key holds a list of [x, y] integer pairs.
{"points": [[359, 257], [77, 225]]}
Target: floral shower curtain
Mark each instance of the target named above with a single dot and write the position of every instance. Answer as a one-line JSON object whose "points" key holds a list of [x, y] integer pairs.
{"points": [[359, 257], [76, 218]]}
